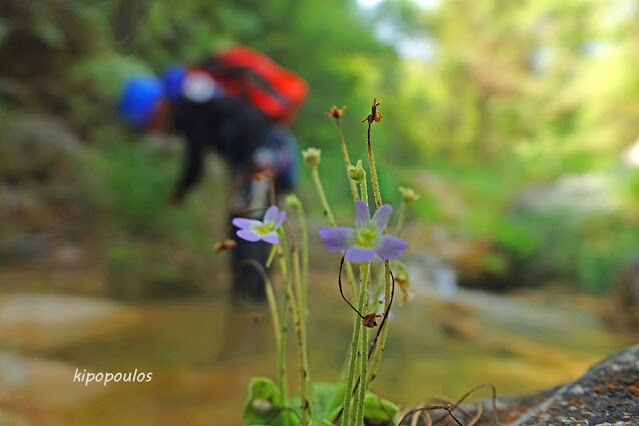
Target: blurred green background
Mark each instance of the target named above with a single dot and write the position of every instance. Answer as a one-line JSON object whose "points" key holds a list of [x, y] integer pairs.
{"points": [[487, 107], [517, 121]]}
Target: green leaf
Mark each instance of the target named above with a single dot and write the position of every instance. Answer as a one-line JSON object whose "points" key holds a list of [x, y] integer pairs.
{"points": [[263, 405], [327, 401], [376, 408]]}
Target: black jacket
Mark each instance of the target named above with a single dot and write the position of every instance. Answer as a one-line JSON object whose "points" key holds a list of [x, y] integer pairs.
{"points": [[233, 127]]}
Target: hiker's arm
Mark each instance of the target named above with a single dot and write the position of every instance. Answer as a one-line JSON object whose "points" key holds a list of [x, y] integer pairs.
{"points": [[192, 169]]}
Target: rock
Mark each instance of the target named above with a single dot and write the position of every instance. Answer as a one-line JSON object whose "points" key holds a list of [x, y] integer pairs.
{"points": [[22, 247], [607, 394], [46, 182], [33, 387], [46, 322], [38, 147], [433, 274], [68, 255], [584, 194]]}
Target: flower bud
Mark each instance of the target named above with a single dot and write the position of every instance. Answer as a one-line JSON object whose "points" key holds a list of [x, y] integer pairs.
{"points": [[408, 194], [293, 201], [357, 172], [312, 156]]}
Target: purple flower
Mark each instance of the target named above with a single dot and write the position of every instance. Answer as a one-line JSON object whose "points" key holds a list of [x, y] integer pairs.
{"points": [[261, 230], [367, 239]]}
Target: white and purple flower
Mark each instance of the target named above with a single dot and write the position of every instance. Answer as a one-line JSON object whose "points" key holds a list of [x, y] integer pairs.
{"points": [[261, 230], [367, 239]]}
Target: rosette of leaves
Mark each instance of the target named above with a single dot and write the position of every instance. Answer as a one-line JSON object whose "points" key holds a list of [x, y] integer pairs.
{"points": [[263, 406]]}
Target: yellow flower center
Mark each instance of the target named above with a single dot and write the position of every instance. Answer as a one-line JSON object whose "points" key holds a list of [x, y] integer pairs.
{"points": [[265, 228], [366, 237]]}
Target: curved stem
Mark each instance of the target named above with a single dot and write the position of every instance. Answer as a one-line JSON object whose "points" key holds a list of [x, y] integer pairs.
{"points": [[322, 195]]}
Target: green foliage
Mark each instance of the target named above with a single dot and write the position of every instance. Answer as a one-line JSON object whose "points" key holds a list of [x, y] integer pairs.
{"points": [[106, 72], [514, 95], [137, 178], [264, 405]]}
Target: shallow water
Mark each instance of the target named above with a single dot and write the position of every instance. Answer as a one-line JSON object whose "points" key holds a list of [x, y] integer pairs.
{"points": [[202, 352]]}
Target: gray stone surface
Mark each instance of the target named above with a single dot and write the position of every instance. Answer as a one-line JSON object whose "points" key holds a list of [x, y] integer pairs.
{"points": [[607, 394]]}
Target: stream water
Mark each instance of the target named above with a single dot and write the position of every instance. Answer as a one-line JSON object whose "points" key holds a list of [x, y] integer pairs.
{"points": [[202, 352]]}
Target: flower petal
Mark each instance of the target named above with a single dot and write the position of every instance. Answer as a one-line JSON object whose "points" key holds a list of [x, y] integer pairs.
{"points": [[362, 215], [337, 238], [271, 238], [271, 214], [359, 254], [248, 235], [243, 223], [280, 218], [390, 247], [382, 216]]}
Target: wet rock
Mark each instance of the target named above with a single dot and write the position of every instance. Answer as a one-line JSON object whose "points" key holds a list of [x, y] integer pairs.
{"points": [[607, 394], [31, 322], [34, 388]]}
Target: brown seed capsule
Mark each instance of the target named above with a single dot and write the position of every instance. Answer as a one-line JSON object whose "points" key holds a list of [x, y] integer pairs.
{"points": [[370, 320], [374, 115]]}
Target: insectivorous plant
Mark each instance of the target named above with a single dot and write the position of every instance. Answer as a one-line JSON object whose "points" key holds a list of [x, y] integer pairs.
{"points": [[349, 402], [367, 239]]}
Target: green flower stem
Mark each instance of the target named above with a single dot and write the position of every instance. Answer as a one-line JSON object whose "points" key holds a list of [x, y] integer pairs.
{"points": [[371, 163], [320, 191], [297, 281], [379, 348], [365, 274], [345, 156], [274, 249], [277, 332], [293, 304], [301, 217], [355, 347], [364, 189], [281, 356]]}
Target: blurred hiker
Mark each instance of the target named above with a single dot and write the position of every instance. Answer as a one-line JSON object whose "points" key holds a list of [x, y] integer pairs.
{"points": [[238, 102]]}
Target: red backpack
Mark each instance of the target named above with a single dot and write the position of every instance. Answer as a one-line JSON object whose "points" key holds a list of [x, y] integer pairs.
{"points": [[250, 75]]}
